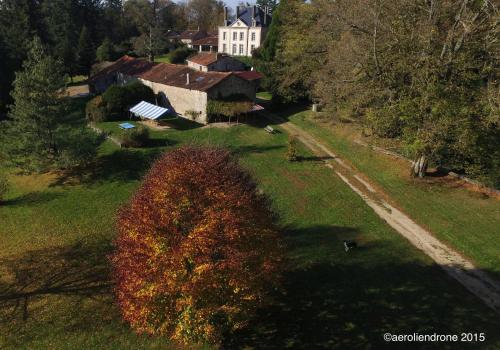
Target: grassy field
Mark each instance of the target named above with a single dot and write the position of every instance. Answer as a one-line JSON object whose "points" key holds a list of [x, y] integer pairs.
{"points": [[163, 58], [56, 229], [466, 220]]}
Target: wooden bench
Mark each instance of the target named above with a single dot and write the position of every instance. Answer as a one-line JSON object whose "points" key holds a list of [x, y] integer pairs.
{"points": [[269, 129]]}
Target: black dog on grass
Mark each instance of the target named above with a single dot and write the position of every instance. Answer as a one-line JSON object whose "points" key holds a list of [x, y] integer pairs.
{"points": [[348, 245]]}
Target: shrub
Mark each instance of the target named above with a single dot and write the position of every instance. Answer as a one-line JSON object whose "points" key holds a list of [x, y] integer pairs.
{"points": [[228, 107], [197, 250], [192, 114], [291, 153], [180, 54], [138, 92], [118, 99], [95, 111], [137, 137], [4, 186]]}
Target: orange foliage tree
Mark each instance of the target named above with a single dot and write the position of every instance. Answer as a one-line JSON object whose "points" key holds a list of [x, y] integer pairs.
{"points": [[197, 250]]}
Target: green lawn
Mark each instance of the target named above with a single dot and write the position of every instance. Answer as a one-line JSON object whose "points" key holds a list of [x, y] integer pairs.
{"points": [[55, 290], [466, 220], [264, 95], [163, 58]]}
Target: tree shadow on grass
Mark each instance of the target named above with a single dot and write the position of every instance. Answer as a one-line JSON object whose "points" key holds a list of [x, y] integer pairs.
{"points": [[32, 198], [313, 158], [343, 306], [121, 165], [77, 270], [331, 299], [252, 149]]}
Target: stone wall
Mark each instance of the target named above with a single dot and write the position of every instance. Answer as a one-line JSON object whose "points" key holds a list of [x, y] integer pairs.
{"points": [[181, 100], [231, 86]]}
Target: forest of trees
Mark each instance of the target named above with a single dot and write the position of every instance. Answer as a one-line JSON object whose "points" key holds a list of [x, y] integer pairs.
{"points": [[79, 32], [422, 71]]}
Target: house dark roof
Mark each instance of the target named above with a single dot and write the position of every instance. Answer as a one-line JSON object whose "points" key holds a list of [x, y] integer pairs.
{"points": [[176, 75], [249, 75], [208, 41], [192, 34], [244, 13], [126, 65], [172, 34]]}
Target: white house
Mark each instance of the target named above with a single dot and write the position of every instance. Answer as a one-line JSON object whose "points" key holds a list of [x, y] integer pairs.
{"points": [[246, 33]]}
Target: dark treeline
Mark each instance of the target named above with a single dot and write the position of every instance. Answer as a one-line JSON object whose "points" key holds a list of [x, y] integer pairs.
{"points": [[81, 32], [423, 71]]}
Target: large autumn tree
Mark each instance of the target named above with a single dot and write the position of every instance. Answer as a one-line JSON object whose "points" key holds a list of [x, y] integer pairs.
{"points": [[197, 251]]}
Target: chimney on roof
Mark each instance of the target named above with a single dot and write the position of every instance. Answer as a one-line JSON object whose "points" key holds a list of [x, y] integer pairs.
{"points": [[265, 15], [253, 15], [237, 12], [187, 78]]}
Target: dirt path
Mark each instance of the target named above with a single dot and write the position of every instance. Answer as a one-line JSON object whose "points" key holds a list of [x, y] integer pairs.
{"points": [[458, 267]]}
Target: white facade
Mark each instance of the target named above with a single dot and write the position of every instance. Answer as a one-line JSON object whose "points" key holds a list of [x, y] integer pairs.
{"points": [[240, 39]]}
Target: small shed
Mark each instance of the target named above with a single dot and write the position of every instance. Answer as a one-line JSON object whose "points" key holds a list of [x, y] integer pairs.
{"points": [[148, 111]]}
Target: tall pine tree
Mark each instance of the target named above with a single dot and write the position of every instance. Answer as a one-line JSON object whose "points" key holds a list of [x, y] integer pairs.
{"points": [[36, 113], [85, 52]]}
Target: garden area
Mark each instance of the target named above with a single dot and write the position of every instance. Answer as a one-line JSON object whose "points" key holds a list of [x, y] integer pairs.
{"points": [[56, 291]]}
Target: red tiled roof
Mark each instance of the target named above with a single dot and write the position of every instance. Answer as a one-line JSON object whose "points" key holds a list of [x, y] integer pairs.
{"points": [[209, 40], [249, 75], [164, 73], [204, 59], [126, 65], [175, 75]]}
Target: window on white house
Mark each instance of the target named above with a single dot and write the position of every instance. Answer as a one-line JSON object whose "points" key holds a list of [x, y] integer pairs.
{"points": [[253, 36], [224, 48], [234, 49], [224, 35], [252, 47], [242, 34], [235, 35], [241, 49]]}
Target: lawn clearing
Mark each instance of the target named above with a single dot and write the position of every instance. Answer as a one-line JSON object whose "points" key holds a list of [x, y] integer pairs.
{"points": [[56, 291], [464, 219], [162, 58]]}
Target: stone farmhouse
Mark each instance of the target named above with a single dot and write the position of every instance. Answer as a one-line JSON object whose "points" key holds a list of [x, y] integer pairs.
{"points": [[246, 33], [178, 87], [209, 62]]}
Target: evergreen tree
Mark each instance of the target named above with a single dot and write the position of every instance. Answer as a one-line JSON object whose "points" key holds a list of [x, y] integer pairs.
{"points": [[106, 51], [85, 52], [61, 18], [19, 20], [36, 112]]}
